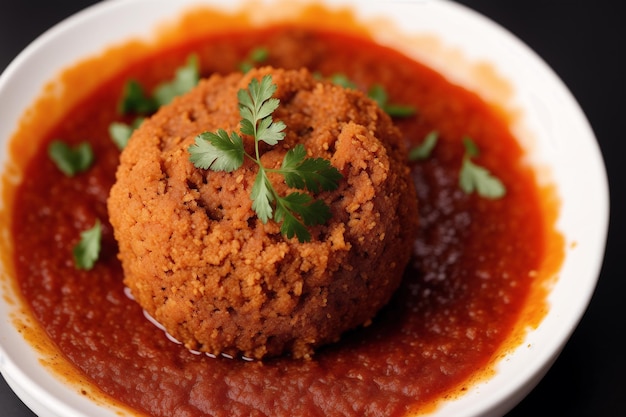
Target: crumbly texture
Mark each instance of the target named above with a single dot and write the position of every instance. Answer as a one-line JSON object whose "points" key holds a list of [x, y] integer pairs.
{"points": [[197, 258]]}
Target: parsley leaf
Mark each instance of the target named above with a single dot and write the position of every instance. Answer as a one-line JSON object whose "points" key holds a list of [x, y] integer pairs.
{"points": [[310, 173], [120, 132], [311, 211], [473, 177], [87, 251], [342, 80], [256, 107], [71, 160], [424, 149], [185, 79], [378, 93], [223, 152], [218, 151], [256, 56], [135, 100], [262, 196], [291, 225]]}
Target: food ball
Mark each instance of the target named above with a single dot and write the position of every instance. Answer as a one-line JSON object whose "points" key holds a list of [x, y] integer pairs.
{"points": [[198, 259]]}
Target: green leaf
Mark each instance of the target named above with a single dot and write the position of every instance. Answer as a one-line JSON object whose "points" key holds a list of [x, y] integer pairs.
{"points": [[71, 160], [252, 100], [291, 226], [217, 151], [247, 128], [399, 110], [312, 212], [314, 174], [259, 54], [87, 251], [378, 93], [120, 133], [262, 196], [256, 56], [424, 149], [246, 66], [246, 106], [474, 178], [342, 80], [256, 106], [185, 79], [270, 132], [267, 108], [135, 100], [471, 150]]}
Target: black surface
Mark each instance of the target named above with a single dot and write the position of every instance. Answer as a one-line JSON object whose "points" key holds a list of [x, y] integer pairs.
{"points": [[583, 42]]}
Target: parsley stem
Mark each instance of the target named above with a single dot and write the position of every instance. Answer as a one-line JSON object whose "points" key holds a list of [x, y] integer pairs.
{"points": [[256, 148]]}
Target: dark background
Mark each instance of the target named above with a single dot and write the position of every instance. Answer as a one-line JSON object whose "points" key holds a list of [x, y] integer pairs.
{"points": [[584, 42]]}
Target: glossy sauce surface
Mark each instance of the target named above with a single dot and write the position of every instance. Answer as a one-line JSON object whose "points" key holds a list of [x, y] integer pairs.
{"points": [[474, 262]]}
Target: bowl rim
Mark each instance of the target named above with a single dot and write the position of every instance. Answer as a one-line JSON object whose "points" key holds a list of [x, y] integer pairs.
{"points": [[34, 388]]}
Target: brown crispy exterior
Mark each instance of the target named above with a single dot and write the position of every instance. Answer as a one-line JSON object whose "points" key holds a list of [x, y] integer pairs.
{"points": [[197, 258]]}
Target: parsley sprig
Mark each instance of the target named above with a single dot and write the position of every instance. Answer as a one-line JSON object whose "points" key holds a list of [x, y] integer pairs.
{"points": [[221, 151], [473, 177]]}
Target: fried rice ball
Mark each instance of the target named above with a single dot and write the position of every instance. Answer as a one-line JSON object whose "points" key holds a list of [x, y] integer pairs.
{"points": [[197, 258]]}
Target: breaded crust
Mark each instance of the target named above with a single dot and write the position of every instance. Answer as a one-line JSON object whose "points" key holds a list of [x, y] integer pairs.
{"points": [[197, 258]]}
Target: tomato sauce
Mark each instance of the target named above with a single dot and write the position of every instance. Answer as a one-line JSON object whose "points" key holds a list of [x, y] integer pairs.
{"points": [[462, 296]]}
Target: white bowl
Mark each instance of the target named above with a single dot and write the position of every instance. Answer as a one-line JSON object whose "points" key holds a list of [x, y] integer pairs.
{"points": [[551, 126]]}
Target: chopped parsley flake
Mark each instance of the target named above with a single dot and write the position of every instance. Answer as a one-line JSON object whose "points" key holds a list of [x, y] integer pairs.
{"points": [[258, 55], [87, 251], [136, 101], [474, 178], [378, 93], [424, 149], [120, 132], [71, 160]]}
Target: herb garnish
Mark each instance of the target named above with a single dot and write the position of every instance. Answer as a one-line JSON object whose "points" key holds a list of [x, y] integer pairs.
{"points": [[257, 56], [223, 152], [71, 160], [185, 79], [120, 132], [135, 100], [424, 149], [473, 177], [87, 251], [378, 93], [342, 80]]}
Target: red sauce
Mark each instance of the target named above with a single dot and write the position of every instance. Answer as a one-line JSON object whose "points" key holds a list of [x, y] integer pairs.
{"points": [[462, 299]]}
